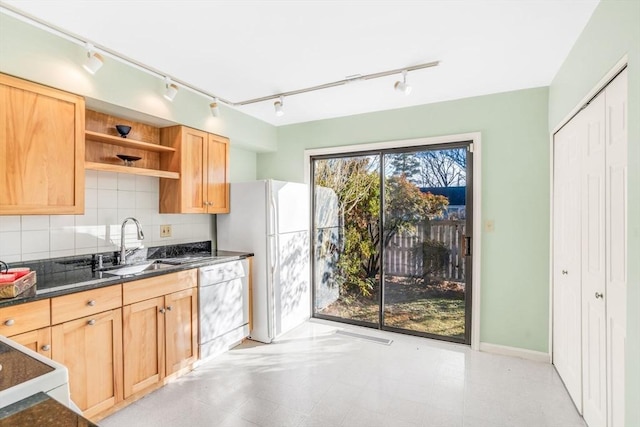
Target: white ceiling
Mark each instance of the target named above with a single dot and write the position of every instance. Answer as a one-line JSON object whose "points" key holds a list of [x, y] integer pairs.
{"points": [[240, 50]]}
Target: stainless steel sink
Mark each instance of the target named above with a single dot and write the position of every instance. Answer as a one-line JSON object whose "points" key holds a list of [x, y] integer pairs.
{"points": [[138, 268]]}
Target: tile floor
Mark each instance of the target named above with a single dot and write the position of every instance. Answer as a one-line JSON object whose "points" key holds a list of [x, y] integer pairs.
{"points": [[315, 377]]}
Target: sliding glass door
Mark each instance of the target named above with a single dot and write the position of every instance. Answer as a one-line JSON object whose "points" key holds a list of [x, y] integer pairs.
{"points": [[392, 240], [346, 245], [425, 226]]}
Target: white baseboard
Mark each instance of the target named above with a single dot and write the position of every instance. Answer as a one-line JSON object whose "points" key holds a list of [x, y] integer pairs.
{"points": [[536, 356]]}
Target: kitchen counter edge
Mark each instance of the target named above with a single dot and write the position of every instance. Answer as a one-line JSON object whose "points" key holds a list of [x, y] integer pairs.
{"points": [[109, 281]]}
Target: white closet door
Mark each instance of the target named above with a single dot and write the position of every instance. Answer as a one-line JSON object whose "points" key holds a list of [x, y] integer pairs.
{"points": [[593, 266], [616, 245], [567, 300]]}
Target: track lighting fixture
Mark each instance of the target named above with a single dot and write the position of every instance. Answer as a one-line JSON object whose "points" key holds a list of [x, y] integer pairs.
{"points": [[215, 110], [403, 86], [94, 60], [171, 90], [278, 106]]}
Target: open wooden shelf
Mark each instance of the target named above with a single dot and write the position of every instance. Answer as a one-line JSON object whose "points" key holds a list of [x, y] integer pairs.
{"points": [[126, 142], [130, 169]]}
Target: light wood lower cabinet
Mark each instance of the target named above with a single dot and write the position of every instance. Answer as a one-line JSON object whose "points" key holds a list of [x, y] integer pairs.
{"points": [[160, 332], [115, 353], [91, 348], [181, 330], [20, 318], [38, 340], [143, 344], [28, 324]]}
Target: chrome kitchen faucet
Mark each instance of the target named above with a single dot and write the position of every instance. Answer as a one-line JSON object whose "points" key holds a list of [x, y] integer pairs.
{"points": [[123, 250]]}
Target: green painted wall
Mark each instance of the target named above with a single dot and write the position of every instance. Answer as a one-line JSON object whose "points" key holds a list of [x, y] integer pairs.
{"points": [[34, 54], [612, 32], [243, 164], [515, 193]]}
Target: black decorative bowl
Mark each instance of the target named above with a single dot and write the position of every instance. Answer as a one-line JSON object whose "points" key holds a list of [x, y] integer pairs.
{"points": [[128, 160], [123, 130]]}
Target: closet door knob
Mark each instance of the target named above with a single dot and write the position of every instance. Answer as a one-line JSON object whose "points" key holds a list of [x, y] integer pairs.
{"points": [[565, 272], [599, 295]]}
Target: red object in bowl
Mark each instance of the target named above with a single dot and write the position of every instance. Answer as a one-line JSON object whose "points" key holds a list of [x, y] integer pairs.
{"points": [[19, 271], [8, 277]]}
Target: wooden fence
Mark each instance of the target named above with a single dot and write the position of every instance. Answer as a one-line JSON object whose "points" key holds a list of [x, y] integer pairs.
{"points": [[403, 257]]}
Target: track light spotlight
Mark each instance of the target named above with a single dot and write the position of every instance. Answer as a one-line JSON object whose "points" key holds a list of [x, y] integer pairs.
{"points": [[215, 110], [278, 106], [403, 86], [94, 60], [170, 89]]}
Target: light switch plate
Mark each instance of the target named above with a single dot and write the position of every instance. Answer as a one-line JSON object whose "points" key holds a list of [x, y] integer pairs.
{"points": [[489, 225], [165, 230]]}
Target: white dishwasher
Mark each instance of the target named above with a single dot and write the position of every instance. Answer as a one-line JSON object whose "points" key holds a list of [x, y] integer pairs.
{"points": [[223, 306]]}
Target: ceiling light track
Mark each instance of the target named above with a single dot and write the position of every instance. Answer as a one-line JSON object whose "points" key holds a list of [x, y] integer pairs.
{"points": [[95, 60], [348, 80], [83, 41]]}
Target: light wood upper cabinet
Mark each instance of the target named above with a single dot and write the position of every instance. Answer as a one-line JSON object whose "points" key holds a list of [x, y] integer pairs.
{"points": [[91, 348], [202, 160], [217, 168], [41, 149]]}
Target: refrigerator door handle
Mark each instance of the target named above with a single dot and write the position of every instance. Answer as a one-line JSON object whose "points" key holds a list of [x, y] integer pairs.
{"points": [[273, 217], [273, 259], [270, 287]]}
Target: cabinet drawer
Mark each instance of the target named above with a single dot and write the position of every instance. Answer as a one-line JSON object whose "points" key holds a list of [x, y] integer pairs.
{"points": [[152, 287], [85, 303], [20, 318]]}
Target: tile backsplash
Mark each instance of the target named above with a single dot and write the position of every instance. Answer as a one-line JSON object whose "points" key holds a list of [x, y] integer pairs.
{"points": [[109, 198]]}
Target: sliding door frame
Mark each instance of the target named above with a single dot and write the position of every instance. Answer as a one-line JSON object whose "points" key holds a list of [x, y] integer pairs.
{"points": [[476, 175]]}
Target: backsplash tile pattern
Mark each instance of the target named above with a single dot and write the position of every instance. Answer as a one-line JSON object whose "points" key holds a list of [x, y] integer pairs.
{"points": [[109, 199]]}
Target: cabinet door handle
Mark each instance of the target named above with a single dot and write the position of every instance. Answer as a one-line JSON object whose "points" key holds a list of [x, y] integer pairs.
{"points": [[91, 303], [45, 347], [91, 322], [162, 310], [599, 295], [9, 322], [565, 272], [169, 308]]}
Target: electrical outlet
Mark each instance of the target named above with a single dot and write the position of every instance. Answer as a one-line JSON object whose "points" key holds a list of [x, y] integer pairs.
{"points": [[165, 230]]}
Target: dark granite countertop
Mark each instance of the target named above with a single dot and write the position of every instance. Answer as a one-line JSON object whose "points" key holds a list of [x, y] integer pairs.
{"points": [[61, 276], [43, 411]]}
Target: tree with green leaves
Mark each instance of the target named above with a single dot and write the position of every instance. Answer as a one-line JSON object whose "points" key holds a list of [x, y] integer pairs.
{"points": [[356, 182]]}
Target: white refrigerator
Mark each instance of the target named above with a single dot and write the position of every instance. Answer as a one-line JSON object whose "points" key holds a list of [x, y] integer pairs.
{"points": [[271, 219]]}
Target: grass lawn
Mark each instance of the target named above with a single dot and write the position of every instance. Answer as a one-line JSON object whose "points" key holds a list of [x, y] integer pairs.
{"points": [[435, 309]]}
